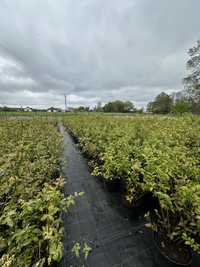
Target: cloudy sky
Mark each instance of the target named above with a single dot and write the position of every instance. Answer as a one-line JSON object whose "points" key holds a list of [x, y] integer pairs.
{"points": [[93, 50]]}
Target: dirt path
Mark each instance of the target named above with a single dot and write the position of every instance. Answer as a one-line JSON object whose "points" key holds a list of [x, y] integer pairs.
{"points": [[117, 236]]}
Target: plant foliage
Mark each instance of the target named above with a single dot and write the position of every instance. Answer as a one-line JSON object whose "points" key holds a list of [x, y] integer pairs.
{"points": [[31, 199], [157, 155]]}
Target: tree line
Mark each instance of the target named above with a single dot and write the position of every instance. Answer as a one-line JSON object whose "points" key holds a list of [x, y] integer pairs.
{"points": [[118, 106], [164, 104], [190, 99]]}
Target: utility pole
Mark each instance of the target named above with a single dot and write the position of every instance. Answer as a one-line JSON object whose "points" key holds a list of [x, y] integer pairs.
{"points": [[65, 103]]}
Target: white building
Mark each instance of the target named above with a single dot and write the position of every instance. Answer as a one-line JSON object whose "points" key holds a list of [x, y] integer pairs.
{"points": [[52, 109], [28, 109]]}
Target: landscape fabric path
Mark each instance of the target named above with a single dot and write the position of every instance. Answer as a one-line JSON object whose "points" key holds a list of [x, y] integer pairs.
{"points": [[117, 236]]}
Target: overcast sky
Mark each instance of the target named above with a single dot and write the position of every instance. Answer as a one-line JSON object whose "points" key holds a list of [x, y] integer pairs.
{"points": [[93, 50]]}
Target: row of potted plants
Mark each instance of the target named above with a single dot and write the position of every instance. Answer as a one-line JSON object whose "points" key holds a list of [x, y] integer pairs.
{"points": [[151, 155], [31, 197]]}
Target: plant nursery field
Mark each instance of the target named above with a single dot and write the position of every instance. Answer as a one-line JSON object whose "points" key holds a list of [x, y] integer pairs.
{"points": [[148, 159], [158, 157]]}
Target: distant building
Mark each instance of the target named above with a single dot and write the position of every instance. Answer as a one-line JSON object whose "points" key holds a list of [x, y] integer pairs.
{"points": [[52, 109], [28, 109], [70, 109]]}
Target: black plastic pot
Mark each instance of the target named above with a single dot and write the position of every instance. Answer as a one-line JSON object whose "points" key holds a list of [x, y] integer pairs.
{"points": [[133, 205], [178, 254], [99, 178], [144, 200], [122, 186], [112, 185]]}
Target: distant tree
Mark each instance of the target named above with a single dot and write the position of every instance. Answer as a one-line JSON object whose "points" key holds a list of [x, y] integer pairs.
{"points": [[140, 111], [82, 109], [192, 81], [194, 105], [181, 106], [161, 105], [107, 107], [128, 106], [119, 106], [99, 107], [150, 107], [5, 108]]}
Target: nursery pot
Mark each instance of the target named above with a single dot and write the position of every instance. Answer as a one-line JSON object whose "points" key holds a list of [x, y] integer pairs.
{"points": [[112, 185], [134, 204], [122, 186], [144, 199], [178, 254]]}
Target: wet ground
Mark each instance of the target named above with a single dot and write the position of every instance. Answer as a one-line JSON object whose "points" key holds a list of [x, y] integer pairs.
{"points": [[117, 236]]}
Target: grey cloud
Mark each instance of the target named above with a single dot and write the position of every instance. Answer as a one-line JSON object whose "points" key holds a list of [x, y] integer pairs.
{"points": [[94, 49]]}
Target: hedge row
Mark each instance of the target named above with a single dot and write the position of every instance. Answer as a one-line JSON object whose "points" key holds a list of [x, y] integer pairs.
{"points": [[30, 194], [157, 155]]}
